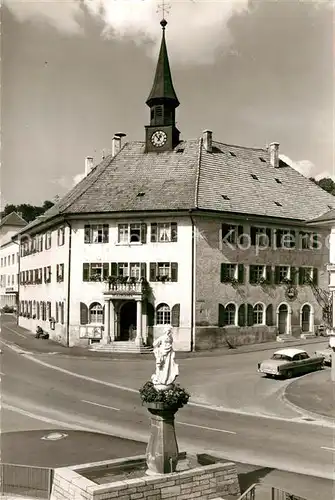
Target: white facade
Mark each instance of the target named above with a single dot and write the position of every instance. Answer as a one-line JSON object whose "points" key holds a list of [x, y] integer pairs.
{"points": [[121, 306], [9, 265]]}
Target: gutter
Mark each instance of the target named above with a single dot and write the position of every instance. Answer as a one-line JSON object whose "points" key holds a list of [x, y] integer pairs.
{"points": [[68, 286]]}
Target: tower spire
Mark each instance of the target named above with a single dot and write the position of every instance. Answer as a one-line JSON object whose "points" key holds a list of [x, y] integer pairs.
{"points": [[162, 88]]}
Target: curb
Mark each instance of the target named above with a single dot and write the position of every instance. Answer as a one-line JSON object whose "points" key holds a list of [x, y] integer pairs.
{"points": [[304, 411]]}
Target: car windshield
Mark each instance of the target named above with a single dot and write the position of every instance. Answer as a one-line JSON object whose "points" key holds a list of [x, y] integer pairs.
{"points": [[282, 357]]}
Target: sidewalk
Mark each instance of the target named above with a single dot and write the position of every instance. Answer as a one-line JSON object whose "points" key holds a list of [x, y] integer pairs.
{"points": [[314, 393], [40, 346]]}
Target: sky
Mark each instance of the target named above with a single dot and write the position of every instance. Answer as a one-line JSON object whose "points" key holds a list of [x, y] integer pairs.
{"points": [[75, 72]]}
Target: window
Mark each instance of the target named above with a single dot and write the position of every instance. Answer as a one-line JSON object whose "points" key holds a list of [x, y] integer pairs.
{"points": [[57, 315], [8, 280], [13, 258], [163, 232], [282, 273], [60, 236], [96, 233], [308, 275], [122, 269], [132, 233], [225, 197], [254, 176], [1, 261], [163, 315], [13, 279], [48, 240], [285, 238], [61, 312], [40, 243], [5, 261], [135, 270], [95, 271], [163, 271], [231, 273], [257, 274], [278, 180], [260, 236], [278, 204], [60, 272], [48, 310], [231, 233], [230, 314], [96, 313], [258, 314]]}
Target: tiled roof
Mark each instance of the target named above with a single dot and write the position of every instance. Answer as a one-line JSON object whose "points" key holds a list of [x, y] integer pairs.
{"points": [[13, 219], [230, 179], [329, 216]]}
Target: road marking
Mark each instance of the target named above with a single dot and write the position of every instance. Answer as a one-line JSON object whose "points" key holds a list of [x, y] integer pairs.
{"points": [[28, 355], [328, 449], [206, 428], [97, 404]]}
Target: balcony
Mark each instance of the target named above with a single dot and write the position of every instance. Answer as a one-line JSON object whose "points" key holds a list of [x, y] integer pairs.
{"points": [[118, 289]]}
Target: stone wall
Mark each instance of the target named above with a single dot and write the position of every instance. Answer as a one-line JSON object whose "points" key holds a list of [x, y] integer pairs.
{"points": [[203, 483], [216, 337]]}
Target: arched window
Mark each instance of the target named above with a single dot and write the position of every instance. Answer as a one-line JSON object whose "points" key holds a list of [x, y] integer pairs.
{"points": [[163, 314], [258, 314], [230, 314], [96, 313]]}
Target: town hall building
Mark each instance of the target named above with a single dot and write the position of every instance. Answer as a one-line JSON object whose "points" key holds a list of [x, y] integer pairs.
{"points": [[209, 237]]}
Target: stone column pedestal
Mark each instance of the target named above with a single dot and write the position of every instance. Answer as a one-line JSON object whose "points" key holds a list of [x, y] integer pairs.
{"points": [[162, 449]]}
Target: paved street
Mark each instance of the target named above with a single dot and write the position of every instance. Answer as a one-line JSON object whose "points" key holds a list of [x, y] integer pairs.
{"points": [[56, 392]]}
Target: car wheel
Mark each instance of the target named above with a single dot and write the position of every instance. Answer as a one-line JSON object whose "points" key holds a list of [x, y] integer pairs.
{"points": [[289, 374]]}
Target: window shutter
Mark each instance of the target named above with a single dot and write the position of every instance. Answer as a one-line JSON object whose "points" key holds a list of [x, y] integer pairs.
{"points": [[105, 230], [279, 236], [103, 314], [268, 232], [144, 270], [56, 317], [143, 232], [240, 233], [250, 315], [152, 276], [315, 276], [253, 235], [86, 272], [174, 271], [174, 232], [222, 315], [301, 276], [240, 273], [175, 315], [223, 272], [45, 274], [269, 315], [314, 240], [269, 274], [151, 314], [153, 235], [105, 271], [241, 321], [113, 269], [277, 275], [225, 230], [87, 234]]}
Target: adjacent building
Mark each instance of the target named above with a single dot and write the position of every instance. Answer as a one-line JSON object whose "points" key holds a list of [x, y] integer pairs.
{"points": [[209, 237], [9, 261]]}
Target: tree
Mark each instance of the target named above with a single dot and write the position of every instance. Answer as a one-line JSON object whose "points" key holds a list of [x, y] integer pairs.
{"points": [[27, 211], [327, 184]]}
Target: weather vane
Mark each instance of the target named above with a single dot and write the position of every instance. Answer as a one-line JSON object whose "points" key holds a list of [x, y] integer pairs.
{"points": [[164, 8]]}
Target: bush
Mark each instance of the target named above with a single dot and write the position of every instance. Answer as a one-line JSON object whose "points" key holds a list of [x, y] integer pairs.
{"points": [[176, 396], [7, 309]]}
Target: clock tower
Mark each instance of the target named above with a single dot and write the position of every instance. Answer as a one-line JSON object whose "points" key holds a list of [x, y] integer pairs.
{"points": [[162, 133]]}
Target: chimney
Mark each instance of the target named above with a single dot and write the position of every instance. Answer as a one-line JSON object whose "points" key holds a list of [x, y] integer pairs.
{"points": [[88, 164], [116, 143], [207, 140], [273, 149]]}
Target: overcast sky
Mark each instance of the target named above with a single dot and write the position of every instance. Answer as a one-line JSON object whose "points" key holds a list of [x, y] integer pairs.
{"points": [[74, 73]]}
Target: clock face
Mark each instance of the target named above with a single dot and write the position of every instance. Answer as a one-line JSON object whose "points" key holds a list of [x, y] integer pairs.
{"points": [[159, 138]]}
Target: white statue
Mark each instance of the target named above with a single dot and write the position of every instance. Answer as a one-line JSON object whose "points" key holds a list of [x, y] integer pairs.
{"points": [[166, 369]]}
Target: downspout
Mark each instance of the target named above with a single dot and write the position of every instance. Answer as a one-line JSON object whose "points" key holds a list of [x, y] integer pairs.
{"points": [[193, 250], [68, 286]]}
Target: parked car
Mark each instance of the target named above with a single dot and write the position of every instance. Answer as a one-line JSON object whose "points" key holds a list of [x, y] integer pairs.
{"points": [[289, 362], [326, 353]]}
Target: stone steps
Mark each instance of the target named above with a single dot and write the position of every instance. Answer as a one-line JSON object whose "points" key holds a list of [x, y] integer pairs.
{"points": [[119, 346], [307, 335], [286, 338]]}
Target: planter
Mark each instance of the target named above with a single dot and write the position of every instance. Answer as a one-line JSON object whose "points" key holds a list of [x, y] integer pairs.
{"points": [[162, 449]]}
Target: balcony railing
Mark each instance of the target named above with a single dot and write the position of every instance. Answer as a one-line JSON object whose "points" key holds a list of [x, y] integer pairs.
{"points": [[127, 288], [273, 493]]}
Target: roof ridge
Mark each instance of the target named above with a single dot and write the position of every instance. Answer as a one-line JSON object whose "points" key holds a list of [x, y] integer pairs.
{"points": [[238, 146]]}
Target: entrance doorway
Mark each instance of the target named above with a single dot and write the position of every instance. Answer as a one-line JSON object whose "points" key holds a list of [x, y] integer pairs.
{"points": [[128, 321], [306, 318], [282, 319]]}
